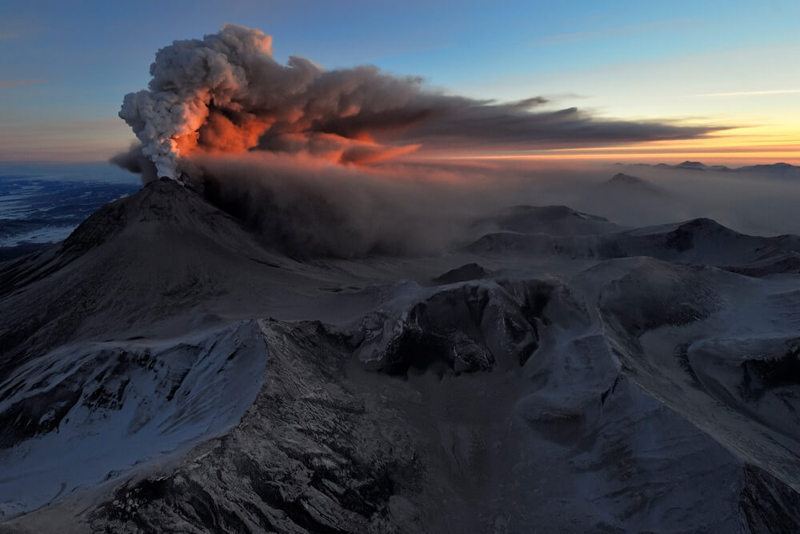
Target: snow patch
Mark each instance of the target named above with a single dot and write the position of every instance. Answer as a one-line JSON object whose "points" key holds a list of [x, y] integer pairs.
{"points": [[83, 415]]}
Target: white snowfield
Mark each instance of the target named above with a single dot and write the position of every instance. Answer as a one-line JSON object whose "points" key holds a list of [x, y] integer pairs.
{"points": [[103, 409], [164, 371]]}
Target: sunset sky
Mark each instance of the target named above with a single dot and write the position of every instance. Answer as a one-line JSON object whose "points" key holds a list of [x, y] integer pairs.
{"points": [[65, 66]]}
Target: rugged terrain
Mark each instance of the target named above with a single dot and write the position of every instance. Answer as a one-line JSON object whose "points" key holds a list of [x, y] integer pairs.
{"points": [[165, 369]]}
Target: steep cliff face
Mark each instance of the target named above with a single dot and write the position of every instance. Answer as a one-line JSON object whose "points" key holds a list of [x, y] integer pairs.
{"points": [[166, 370]]}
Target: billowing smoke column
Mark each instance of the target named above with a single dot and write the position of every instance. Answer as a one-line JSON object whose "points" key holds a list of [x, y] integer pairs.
{"points": [[291, 149], [226, 94]]}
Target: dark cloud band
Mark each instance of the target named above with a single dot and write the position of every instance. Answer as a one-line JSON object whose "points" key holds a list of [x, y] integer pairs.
{"points": [[226, 94]]}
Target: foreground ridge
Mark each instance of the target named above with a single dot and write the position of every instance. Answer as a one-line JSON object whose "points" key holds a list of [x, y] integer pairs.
{"points": [[561, 372]]}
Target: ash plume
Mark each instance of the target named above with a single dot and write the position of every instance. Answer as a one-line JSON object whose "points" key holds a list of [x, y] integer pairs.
{"points": [[309, 207], [226, 94], [300, 153]]}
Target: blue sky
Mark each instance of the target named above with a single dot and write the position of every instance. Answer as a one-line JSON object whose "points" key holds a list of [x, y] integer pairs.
{"points": [[65, 66]]}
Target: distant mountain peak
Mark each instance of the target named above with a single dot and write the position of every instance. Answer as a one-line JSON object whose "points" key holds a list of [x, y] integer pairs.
{"points": [[160, 200], [622, 178], [692, 165], [627, 182], [551, 220], [704, 224], [779, 169], [552, 212]]}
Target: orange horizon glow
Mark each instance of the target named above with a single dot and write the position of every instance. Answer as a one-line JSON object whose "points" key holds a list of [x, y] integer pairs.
{"points": [[748, 145], [745, 145], [625, 157]]}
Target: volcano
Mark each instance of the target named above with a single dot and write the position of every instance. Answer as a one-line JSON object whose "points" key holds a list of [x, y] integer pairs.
{"points": [[168, 368]]}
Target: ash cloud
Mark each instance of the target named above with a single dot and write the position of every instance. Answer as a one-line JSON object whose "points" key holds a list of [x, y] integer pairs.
{"points": [[309, 156], [136, 162], [226, 94], [310, 207], [487, 126]]}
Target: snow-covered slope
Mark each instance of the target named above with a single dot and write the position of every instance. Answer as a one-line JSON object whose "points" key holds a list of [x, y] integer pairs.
{"points": [[82, 415], [699, 242], [561, 375], [551, 220], [160, 262]]}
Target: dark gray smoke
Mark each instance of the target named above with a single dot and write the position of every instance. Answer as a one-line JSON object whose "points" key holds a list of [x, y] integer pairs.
{"points": [[310, 207], [136, 162], [300, 153], [227, 94]]}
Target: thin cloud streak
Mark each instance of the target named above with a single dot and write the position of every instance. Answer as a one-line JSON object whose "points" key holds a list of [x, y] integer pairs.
{"points": [[611, 33], [6, 35], [227, 94], [20, 83], [753, 93]]}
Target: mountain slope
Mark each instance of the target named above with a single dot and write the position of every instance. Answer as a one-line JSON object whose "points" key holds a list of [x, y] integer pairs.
{"points": [[565, 373], [82, 415], [698, 242], [622, 183], [163, 260]]}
